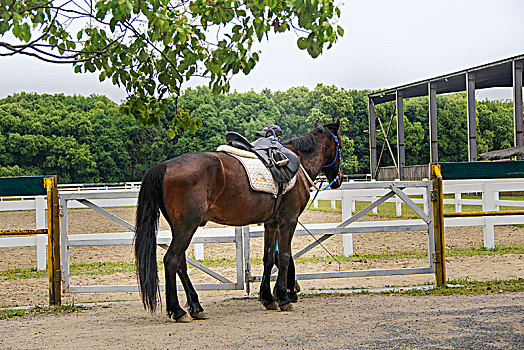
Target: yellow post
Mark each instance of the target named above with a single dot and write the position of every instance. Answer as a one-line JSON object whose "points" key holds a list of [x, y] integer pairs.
{"points": [[437, 199], [53, 245]]}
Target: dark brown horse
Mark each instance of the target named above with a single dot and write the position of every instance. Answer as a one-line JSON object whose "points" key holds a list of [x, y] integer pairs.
{"points": [[212, 186]]}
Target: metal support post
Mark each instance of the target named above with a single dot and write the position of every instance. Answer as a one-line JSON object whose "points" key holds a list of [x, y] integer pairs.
{"points": [[401, 152], [372, 139], [472, 118], [517, 103], [433, 134]]}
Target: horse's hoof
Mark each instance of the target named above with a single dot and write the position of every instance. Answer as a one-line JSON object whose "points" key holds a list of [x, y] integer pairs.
{"points": [[287, 307], [271, 306], [293, 296], [200, 316], [184, 319]]}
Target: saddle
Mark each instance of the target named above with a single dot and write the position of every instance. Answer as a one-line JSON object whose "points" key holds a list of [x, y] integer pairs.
{"points": [[281, 162]]}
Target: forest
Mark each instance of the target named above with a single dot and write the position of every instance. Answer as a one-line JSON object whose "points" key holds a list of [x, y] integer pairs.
{"points": [[87, 140]]}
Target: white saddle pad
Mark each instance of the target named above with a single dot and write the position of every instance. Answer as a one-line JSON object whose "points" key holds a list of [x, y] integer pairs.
{"points": [[260, 178]]}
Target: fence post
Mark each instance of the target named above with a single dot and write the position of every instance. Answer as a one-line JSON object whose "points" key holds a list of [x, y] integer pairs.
{"points": [[41, 240], [489, 233], [488, 196], [53, 244], [64, 242], [374, 210], [458, 202], [198, 251], [239, 245], [398, 204], [347, 238], [437, 199], [247, 258]]}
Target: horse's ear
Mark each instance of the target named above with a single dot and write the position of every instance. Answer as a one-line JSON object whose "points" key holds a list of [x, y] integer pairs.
{"points": [[317, 124], [337, 123]]}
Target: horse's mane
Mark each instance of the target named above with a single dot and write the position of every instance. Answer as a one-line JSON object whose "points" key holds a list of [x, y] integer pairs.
{"points": [[308, 143]]}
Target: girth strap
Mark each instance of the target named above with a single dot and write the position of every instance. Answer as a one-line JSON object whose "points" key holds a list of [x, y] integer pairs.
{"points": [[277, 204]]}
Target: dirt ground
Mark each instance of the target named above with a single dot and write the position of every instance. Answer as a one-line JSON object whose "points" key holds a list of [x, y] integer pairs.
{"points": [[403, 322], [357, 322]]}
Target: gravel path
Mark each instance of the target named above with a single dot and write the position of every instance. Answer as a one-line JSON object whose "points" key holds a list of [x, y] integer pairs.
{"points": [[356, 322]]}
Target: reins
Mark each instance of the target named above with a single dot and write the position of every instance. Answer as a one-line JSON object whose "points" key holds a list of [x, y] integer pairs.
{"points": [[320, 189]]}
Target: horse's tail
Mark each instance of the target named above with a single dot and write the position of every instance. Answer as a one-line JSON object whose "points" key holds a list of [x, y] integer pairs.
{"points": [[150, 200]]}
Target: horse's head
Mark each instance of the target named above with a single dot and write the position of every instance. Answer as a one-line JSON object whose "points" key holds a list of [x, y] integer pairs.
{"points": [[332, 151]]}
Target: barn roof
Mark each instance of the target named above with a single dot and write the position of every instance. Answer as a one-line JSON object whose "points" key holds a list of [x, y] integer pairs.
{"points": [[495, 74], [503, 153]]}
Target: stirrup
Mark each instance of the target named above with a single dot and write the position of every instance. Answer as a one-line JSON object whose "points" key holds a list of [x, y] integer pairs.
{"points": [[281, 162]]}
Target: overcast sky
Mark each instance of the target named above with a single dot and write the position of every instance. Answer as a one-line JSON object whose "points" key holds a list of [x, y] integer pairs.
{"points": [[386, 44]]}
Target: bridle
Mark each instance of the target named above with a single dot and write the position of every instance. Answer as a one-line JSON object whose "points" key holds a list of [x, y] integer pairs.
{"points": [[338, 151], [338, 156]]}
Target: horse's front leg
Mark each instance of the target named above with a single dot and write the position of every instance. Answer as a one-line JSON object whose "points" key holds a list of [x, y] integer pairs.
{"points": [[282, 296], [265, 295]]}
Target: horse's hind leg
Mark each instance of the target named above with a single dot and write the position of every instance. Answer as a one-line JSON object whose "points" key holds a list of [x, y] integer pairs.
{"points": [[195, 309], [172, 260]]}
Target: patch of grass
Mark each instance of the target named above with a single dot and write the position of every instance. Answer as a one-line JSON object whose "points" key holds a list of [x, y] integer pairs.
{"points": [[466, 287], [102, 268], [460, 287], [11, 313], [22, 274], [485, 251], [38, 310]]}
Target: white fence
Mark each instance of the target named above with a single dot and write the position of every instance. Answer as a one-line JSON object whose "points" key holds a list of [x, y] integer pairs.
{"points": [[125, 195]]}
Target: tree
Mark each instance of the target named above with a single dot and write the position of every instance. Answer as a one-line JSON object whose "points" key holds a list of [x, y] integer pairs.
{"points": [[151, 47]]}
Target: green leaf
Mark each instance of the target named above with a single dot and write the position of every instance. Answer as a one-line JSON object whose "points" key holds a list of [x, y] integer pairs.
{"points": [[302, 43], [89, 66], [26, 32], [53, 41], [102, 76], [16, 30], [340, 31], [61, 48]]}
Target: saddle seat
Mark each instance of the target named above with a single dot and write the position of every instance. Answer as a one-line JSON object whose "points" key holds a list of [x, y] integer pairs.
{"points": [[281, 162]]}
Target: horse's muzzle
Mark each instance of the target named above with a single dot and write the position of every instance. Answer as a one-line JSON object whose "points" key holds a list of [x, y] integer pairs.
{"points": [[338, 182]]}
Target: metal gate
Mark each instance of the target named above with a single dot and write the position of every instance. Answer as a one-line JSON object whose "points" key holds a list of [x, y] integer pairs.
{"points": [[349, 226], [232, 235]]}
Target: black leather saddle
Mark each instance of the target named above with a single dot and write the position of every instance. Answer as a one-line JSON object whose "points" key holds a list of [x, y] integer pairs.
{"points": [[282, 162]]}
